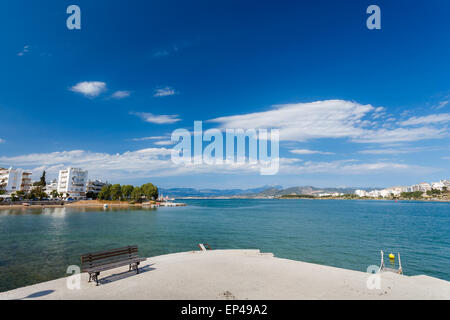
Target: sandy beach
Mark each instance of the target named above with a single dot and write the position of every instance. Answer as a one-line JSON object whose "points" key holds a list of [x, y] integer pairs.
{"points": [[235, 274]]}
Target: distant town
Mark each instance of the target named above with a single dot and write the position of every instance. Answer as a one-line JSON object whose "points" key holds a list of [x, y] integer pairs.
{"points": [[73, 184]]}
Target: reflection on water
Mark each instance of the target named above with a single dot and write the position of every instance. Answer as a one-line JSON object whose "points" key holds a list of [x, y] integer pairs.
{"points": [[347, 234]]}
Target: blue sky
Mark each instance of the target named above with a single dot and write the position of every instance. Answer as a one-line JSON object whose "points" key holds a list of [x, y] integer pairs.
{"points": [[355, 107]]}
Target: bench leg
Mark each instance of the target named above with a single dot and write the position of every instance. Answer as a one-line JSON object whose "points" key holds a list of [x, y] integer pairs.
{"points": [[134, 266], [94, 276]]}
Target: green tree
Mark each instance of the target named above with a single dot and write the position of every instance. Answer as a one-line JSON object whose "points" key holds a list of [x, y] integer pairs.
{"points": [[414, 194], [105, 193], [116, 192], [150, 191], [54, 194], [127, 190], [37, 193], [20, 194], [91, 195], [42, 181], [136, 194]]}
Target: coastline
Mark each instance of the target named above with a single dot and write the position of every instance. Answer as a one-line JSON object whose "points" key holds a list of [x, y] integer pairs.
{"points": [[235, 274], [125, 204], [81, 204], [307, 198]]}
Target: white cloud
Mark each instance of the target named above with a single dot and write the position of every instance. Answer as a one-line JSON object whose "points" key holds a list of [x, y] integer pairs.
{"points": [[353, 167], [432, 118], [163, 92], [150, 138], [2, 140], [442, 104], [164, 143], [400, 150], [25, 50], [121, 94], [328, 119], [400, 135], [303, 121], [156, 162], [307, 151], [158, 119], [89, 89]]}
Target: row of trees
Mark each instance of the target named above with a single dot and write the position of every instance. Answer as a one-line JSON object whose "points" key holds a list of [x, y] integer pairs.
{"points": [[419, 194], [116, 192]]}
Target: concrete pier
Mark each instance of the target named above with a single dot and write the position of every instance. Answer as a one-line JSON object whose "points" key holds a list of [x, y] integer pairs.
{"points": [[235, 274]]}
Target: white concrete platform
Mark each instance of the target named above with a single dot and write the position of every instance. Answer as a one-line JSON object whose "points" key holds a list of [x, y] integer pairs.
{"points": [[235, 274]]}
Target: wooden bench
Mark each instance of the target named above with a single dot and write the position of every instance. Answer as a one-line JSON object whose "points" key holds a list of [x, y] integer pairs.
{"points": [[95, 262]]}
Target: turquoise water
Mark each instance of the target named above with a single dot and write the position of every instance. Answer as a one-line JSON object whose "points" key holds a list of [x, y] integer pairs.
{"points": [[37, 245]]}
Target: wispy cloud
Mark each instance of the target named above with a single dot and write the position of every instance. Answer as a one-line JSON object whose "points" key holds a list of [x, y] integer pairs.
{"points": [[307, 151], [398, 150], [121, 94], [2, 140], [401, 135], [163, 92], [164, 143], [330, 119], [24, 51], [442, 104], [172, 49], [152, 162], [150, 138], [158, 119], [430, 119], [89, 89]]}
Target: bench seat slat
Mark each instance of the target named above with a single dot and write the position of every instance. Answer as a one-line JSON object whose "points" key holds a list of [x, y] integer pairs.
{"points": [[110, 257], [114, 265], [103, 254], [109, 251]]}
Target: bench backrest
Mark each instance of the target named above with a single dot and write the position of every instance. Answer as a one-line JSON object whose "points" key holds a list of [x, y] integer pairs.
{"points": [[96, 259]]}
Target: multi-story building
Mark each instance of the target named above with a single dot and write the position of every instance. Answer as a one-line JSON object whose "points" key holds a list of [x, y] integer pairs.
{"points": [[446, 184], [50, 187], [95, 186], [361, 193], [72, 182], [12, 180]]}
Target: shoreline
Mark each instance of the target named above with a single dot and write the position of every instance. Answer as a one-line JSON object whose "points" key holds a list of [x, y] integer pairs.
{"points": [[235, 274], [306, 198], [82, 204], [124, 204]]}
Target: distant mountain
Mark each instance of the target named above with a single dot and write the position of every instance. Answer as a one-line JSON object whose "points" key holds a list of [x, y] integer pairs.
{"points": [[264, 191], [190, 192], [303, 190]]}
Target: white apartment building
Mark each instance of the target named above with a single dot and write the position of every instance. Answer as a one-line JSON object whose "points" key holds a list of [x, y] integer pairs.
{"points": [[72, 182], [424, 187], [95, 186], [50, 187], [361, 193], [12, 180]]}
